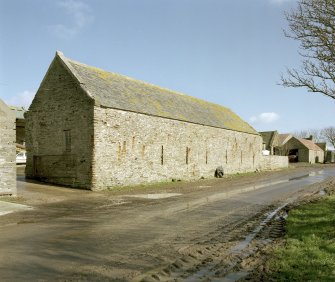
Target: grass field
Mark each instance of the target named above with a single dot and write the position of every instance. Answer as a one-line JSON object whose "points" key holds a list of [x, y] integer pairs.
{"points": [[309, 252]]}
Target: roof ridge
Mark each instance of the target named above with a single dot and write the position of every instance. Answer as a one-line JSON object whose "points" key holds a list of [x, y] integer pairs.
{"points": [[122, 75], [72, 71], [134, 79], [309, 142], [117, 91]]}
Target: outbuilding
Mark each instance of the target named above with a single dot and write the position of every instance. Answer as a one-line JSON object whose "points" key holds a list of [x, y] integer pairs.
{"points": [[94, 129], [7, 151], [302, 150]]}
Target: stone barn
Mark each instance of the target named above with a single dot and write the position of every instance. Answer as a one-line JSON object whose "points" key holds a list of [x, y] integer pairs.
{"points": [[7, 151], [302, 150], [93, 129]]}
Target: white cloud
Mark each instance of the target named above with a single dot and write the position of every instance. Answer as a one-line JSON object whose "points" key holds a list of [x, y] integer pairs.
{"points": [[81, 15], [265, 118], [279, 2], [22, 99]]}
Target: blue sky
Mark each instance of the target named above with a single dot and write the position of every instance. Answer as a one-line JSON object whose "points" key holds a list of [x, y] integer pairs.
{"points": [[230, 52]]}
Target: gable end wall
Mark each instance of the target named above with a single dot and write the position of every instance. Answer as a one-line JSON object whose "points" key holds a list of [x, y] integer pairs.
{"points": [[60, 105]]}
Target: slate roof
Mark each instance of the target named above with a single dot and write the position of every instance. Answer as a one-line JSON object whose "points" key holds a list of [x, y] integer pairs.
{"points": [[269, 138], [310, 145], [283, 138], [116, 91]]}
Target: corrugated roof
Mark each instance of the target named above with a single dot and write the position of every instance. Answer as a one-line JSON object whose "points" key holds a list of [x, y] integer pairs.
{"points": [[309, 144], [116, 91]]}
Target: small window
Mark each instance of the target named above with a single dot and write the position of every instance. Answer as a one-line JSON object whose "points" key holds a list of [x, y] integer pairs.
{"points": [[67, 136], [187, 154], [162, 155]]}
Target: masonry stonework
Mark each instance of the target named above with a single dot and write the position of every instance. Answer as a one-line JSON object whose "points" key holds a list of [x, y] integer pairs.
{"points": [[273, 162], [132, 148], [59, 131], [7, 151], [92, 129], [312, 154]]}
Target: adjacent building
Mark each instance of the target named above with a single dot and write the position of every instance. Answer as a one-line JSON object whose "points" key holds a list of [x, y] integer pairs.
{"points": [[303, 150], [19, 128], [270, 141], [7, 151], [94, 129]]}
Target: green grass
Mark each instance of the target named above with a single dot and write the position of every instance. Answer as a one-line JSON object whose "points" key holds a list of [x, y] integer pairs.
{"points": [[309, 252]]}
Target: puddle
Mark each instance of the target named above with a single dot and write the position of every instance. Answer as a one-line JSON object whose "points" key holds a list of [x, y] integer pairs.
{"points": [[155, 196], [7, 207], [239, 250], [242, 245], [322, 193], [212, 198], [313, 173]]}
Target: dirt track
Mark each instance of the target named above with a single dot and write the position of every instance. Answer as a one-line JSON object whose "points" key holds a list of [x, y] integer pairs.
{"points": [[201, 234]]}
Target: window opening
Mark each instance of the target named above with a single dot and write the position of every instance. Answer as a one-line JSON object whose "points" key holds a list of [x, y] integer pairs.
{"points": [[162, 155], [67, 136]]}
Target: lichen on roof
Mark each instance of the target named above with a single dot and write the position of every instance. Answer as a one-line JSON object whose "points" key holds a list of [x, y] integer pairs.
{"points": [[309, 144], [116, 91]]}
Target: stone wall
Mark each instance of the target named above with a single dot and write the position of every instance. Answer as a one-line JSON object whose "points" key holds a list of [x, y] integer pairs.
{"points": [[316, 156], [273, 162], [7, 151], [59, 131], [20, 132], [132, 148]]}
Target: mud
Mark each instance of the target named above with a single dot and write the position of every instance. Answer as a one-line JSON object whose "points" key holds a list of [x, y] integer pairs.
{"points": [[211, 230]]}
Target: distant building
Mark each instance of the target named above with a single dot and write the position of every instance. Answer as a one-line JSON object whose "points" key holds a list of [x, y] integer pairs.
{"points": [[270, 141], [330, 156], [20, 126], [93, 129], [302, 150], [7, 151], [322, 145]]}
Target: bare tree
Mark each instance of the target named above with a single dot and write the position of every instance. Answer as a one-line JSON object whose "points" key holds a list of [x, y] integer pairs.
{"points": [[313, 25], [328, 134], [305, 133]]}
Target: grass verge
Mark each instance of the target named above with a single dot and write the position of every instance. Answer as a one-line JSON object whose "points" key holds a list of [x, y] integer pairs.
{"points": [[309, 251]]}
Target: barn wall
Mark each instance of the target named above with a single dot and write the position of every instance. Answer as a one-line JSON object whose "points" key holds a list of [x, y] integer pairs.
{"points": [[316, 156], [7, 151], [273, 162], [132, 148], [59, 131]]}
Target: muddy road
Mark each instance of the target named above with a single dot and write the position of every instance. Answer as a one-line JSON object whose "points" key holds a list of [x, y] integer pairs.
{"points": [[178, 232]]}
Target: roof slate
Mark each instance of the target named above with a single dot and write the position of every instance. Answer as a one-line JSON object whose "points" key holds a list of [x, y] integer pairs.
{"points": [[283, 138], [270, 138], [310, 144], [116, 91]]}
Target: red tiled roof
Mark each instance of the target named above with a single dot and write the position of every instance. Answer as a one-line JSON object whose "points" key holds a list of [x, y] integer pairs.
{"points": [[310, 145]]}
